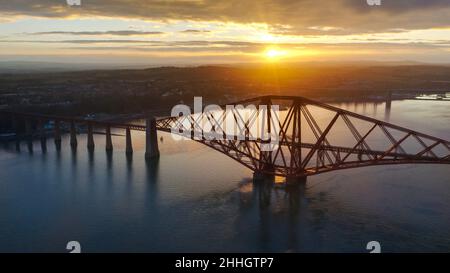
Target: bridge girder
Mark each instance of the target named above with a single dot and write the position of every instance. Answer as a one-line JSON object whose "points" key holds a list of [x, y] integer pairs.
{"points": [[308, 138]]}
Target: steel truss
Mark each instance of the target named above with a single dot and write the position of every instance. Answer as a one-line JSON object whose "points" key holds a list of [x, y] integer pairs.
{"points": [[308, 136]]}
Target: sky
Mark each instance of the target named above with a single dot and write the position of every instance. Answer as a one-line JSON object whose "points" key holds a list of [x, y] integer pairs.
{"points": [[229, 31]]}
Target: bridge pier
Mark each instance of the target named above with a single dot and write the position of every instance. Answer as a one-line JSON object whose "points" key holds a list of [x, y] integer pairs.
{"points": [[57, 135], [109, 145], [42, 136], [129, 146], [29, 135], [73, 135], [296, 180], [387, 110], [90, 135], [264, 192], [151, 139], [261, 177], [16, 130]]}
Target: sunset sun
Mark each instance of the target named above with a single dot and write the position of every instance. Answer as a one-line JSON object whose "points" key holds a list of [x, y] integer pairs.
{"points": [[274, 54]]}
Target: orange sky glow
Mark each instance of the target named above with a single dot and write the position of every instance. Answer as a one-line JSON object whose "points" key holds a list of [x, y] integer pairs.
{"points": [[206, 31]]}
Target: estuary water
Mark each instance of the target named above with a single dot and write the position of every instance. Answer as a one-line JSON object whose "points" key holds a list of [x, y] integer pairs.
{"points": [[195, 199]]}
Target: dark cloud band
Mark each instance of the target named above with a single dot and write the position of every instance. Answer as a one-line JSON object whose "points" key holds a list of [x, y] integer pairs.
{"points": [[305, 17], [97, 33]]}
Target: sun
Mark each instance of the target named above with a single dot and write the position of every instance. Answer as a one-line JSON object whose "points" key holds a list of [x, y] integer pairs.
{"points": [[274, 54]]}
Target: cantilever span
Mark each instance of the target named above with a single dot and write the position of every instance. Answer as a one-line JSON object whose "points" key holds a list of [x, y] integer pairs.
{"points": [[313, 138]]}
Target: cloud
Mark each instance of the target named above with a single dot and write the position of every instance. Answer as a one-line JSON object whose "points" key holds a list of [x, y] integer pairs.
{"points": [[195, 31], [325, 17], [97, 33], [233, 46], [93, 41]]}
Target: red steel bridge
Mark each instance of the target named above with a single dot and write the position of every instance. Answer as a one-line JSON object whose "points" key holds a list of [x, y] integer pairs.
{"points": [[312, 137]]}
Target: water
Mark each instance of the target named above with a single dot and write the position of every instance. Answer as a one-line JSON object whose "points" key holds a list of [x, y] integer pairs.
{"points": [[198, 200]]}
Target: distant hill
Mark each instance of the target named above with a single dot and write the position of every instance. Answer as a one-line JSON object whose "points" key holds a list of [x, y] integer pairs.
{"points": [[17, 67]]}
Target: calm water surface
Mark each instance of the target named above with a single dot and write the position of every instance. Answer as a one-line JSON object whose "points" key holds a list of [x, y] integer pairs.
{"points": [[196, 199]]}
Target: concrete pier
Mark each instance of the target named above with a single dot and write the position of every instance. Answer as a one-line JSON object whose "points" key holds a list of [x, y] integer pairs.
{"points": [[73, 135], [151, 139], [263, 174], [387, 110], [42, 136], [264, 193], [90, 137], [29, 135], [109, 145], [57, 135], [296, 180], [129, 146], [261, 177], [16, 130]]}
